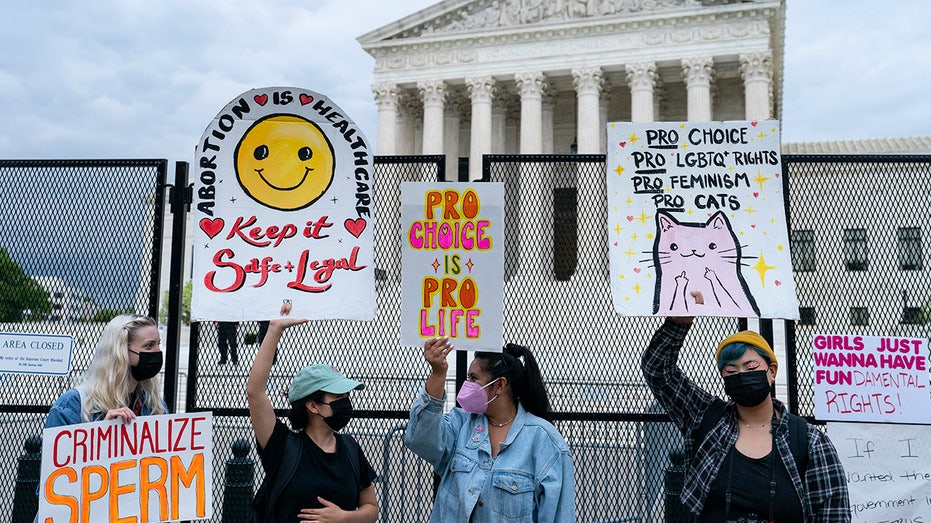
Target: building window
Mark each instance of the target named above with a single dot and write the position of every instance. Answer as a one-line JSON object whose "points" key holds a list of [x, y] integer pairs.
{"points": [[911, 315], [806, 315], [565, 232], [859, 316], [909, 242], [855, 251], [803, 250]]}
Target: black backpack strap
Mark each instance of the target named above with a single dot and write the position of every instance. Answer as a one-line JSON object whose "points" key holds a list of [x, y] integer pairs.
{"points": [[709, 419], [355, 462], [271, 488], [798, 442]]}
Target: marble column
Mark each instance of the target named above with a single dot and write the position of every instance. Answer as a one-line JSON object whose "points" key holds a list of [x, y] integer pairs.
{"points": [[549, 111], [603, 103], [532, 87], [641, 78], [698, 73], [757, 72], [588, 82], [481, 92], [386, 97], [498, 125], [451, 122], [532, 225], [591, 214], [433, 94], [409, 110]]}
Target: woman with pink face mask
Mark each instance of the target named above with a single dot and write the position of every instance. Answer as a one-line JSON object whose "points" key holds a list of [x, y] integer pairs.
{"points": [[498, 456]]}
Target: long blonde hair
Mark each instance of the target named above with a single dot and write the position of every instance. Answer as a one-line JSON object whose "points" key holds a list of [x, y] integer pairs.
{"points": [[105, 384]]}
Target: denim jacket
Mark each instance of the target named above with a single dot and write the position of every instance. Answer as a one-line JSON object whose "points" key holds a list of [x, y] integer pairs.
{"points": [[67, 410], [532, 479]]}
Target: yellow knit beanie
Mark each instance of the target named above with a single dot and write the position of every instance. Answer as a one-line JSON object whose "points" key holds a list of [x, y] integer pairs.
{"points": [[750, 338]]}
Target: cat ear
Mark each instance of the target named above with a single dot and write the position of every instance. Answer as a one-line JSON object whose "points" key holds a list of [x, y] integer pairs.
{"points": [[665, 221], [718, 220]]}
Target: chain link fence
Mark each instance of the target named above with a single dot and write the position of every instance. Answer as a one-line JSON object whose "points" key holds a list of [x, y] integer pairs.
{"points": [[80, 242], [859, 229]]}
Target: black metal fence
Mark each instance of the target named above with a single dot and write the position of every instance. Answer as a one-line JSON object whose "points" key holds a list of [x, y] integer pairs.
{"points": [[859, 229], [80, 241]]}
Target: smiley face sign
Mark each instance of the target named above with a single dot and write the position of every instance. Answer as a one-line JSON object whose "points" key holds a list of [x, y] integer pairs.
{"points": [[284, 162], [283, 211]]}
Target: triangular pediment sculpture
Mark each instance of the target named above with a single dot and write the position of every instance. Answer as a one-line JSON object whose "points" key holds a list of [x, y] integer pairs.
{"points": [[457, 17]]}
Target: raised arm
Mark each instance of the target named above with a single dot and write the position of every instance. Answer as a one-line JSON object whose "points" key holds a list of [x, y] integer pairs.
{"points": [[435, 352], [260, 406]]}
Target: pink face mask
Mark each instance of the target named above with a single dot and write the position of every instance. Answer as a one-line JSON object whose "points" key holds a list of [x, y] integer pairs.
{"points": [[472, 397]]}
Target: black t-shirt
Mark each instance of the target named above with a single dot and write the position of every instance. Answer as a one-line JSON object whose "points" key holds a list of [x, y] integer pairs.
{"points": [[750, 498], [328, 475]]}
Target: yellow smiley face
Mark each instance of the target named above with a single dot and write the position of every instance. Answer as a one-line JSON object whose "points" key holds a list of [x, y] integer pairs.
{"points": [[284, 162]]}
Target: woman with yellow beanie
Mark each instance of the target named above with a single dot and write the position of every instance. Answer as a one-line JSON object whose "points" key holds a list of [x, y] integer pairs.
{"points": [[749, 459]]}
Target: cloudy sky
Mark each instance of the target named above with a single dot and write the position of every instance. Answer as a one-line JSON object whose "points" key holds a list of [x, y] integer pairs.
{"points": [[142, 79]]}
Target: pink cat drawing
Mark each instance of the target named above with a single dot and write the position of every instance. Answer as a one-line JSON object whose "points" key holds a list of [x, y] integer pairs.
{"points": [[703, 257]]}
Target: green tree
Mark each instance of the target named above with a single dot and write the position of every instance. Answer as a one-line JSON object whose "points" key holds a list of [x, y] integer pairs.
{"points": [[924, 317], [105, 315], [185, 304], [20, 293]]}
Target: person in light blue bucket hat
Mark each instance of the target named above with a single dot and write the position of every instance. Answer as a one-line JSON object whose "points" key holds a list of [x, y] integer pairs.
{"points": [[313, 472]]}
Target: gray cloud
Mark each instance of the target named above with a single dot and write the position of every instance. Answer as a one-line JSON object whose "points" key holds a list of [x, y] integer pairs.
{"points": [[136, 79]]}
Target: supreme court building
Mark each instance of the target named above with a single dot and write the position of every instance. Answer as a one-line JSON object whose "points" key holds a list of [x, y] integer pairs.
{"points": [[467, 78]]}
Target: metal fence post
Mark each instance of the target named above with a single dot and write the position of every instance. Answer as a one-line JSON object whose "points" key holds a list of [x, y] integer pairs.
{"points": [[28, 468], [673, 482], [237, 491]]}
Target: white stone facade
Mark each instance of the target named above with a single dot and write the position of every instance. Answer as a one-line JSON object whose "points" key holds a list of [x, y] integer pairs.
{"points": [[467, 78]]}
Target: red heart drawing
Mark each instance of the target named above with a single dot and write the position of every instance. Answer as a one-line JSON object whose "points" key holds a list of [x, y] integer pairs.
{"points": [[753, 226], [778, 283], [622, 144], [777, 175], [306, 99], [261, 99], [355, 227], [211, 227], [637, 270], [753, 124], [756, 195], [615, 244], [630, 218]]}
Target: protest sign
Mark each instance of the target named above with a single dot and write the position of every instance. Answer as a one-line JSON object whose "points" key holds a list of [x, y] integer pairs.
{"points": [[871, 378], [698, 206], [156, 468], [283, 211], [35, 353], [452, 264], [888, 470]]}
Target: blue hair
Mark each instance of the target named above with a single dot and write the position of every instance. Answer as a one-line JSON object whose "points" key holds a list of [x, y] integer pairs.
{"points": [[733, 351]]}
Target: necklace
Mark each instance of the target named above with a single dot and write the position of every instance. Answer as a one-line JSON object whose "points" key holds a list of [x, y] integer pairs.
{"points": [[761, 425], [505, 424]]}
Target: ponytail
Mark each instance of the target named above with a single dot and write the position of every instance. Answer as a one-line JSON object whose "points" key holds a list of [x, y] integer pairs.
{"points": [[517, 364]]}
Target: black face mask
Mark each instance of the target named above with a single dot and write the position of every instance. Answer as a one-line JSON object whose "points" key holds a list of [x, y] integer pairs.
{"points": [[342, 413], [748, 389], [150, 363]]}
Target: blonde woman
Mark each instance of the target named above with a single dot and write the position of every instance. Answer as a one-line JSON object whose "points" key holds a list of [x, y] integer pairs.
{"points": [[121, 381]]}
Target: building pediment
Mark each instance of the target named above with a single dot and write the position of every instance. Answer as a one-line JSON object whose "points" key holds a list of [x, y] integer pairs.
{"points": [[460, 18]]}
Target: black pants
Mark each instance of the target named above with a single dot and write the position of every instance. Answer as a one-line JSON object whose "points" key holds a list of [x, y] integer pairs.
{"points": [[226, 332]]}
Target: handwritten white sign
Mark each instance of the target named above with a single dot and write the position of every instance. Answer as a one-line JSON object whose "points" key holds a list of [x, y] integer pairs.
{"points": [[35, 353], [888, 470], [698, 206], [452, 264], [871, 378], [283, 210], [157, 468]]}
